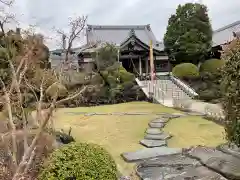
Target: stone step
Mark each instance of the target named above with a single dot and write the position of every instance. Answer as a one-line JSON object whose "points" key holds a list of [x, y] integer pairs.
{"points": [[160, 120], [153, 143], [154, 131], [156, 125], [163, 136], [148, 153]]}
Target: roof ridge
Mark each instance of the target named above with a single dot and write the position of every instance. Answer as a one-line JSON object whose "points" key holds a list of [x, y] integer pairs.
{"points": [[227, 26], [117, 26]]}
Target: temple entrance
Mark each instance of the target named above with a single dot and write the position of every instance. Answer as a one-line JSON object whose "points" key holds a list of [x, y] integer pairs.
{"points": [[131, 65]]}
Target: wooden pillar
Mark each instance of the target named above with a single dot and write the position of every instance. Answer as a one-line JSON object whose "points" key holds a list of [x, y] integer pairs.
{"points": [[140, 65], [147, 62]]}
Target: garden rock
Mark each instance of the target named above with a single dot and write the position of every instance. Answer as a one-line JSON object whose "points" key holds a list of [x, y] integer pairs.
{"points": [[175, 167], [231, 149], [162, 136], [164, 167], [160, 120], [148, 153], [154, 131], [156, 125], [200, 173], [217, 161], [153, 143]]}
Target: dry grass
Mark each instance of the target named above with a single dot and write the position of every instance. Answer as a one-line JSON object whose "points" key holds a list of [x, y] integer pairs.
{"points": [[117, 134], [194, 130], [120, 134]]}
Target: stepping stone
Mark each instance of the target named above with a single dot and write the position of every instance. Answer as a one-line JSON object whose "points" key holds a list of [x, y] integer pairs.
{"points": [[170, 116], [156, 125], [162, 136], [218, 161], [136, 113], [147, 153], [154, 131], [160, 120], [230, 149], [153, 143], [90, 114]]}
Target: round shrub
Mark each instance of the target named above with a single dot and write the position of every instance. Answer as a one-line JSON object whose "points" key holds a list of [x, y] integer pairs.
{"points": [[185, 70], [80, 161], [58, 88], [211, 65]]}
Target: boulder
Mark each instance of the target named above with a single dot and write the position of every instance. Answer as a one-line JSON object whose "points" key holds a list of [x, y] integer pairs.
{"points": [[148, 153], [216, 160]]}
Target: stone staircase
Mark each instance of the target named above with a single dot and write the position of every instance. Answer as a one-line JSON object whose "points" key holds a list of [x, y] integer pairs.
{"points": [[165, 89]]}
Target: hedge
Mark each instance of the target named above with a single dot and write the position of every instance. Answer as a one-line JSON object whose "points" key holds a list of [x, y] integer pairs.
{"points": [[80, 161], [211, 65], [185, 70]]}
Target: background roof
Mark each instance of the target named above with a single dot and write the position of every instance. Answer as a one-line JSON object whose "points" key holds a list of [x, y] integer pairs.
{"points": [[225, 34], [116, 34]]}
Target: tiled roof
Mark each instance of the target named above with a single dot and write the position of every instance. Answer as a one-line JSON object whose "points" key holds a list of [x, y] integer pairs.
{"points": [[118, 33], [225, 34]]}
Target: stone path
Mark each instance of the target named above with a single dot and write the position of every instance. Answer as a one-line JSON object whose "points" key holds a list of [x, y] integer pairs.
{"points": [[158, 162], [123, 114]]}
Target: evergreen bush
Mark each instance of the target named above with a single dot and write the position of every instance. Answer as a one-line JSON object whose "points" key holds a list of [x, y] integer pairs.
{"points": [[211, 65], [231, 92], [80, 161], [186, 70]]}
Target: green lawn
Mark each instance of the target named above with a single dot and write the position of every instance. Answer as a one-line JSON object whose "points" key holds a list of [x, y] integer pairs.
{"points": [[120, 134]]}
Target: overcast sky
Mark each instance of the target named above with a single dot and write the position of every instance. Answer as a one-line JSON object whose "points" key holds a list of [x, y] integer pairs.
{"points": [[49, 13]]}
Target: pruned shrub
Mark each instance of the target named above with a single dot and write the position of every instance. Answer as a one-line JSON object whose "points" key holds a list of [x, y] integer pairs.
{"points": [[212, 65], [126, 76], [207, 95], [72, 78], [185, 70], [39, 74], [231, 93], [80, 161], [57, 89]]}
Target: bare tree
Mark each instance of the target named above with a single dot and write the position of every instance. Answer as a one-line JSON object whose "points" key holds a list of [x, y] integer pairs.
{"points": [[18, 74], [7, 2], [6, 17], [76, 27], [19, 65]]}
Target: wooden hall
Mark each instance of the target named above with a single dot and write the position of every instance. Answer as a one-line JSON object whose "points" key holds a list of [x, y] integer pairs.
{"points": [[133, 44]]}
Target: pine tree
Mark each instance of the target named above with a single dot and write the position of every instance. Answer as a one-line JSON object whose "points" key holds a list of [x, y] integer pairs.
{"points": [[189, 34]]}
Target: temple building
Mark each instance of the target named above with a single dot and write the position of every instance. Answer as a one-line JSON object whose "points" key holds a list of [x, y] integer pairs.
{"points": [[133, 44], [224, 36]]}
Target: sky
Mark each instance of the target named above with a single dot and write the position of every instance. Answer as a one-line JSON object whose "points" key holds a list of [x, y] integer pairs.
{"points": [[48, 15]]}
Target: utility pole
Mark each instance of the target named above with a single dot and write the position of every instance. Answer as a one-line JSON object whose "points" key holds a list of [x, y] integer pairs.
{"points": [[152, 70]]}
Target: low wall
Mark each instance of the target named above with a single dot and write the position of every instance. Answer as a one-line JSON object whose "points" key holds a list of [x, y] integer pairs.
{"points": [[210, 111]]}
